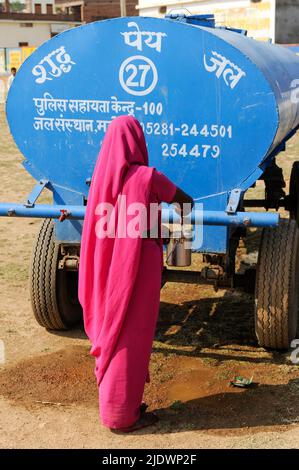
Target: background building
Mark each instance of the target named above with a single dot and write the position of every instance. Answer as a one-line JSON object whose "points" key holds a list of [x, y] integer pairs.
{"points": [[93, 10], [24, 26], [264, 19], [34, 24], [39, 6]]}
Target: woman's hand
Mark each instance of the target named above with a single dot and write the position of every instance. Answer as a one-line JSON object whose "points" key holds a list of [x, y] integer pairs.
{"points": [[183, 203]]}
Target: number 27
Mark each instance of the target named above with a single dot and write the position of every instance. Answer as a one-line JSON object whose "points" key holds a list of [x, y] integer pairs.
{"points": [[144, 68]]}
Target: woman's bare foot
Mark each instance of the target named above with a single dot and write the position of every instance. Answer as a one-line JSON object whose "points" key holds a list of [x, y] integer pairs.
{"points": [[146, 419]]}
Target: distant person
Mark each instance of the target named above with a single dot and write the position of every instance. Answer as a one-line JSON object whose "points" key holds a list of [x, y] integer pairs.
{"points": [[13, 72]]}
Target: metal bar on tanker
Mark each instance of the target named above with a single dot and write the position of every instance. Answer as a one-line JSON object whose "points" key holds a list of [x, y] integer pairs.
{"points": [[220, 218]]}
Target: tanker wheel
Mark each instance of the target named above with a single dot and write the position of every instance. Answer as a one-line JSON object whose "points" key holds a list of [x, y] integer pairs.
{"points": [[294, 193], [276, 289], [53, 291]]}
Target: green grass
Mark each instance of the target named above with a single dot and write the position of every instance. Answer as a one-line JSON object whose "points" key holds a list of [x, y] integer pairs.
{"points": [[13, 272]]}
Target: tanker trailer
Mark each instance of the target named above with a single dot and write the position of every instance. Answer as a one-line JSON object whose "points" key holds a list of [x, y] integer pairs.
{"points": [[216, 108]]}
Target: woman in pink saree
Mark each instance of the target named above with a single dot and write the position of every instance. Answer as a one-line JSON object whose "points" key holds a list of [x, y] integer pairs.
{"points": [[120, 274]]}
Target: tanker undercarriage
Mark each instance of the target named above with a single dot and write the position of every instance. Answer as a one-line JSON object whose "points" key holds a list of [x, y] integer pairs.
{"points": [[54, 269]]}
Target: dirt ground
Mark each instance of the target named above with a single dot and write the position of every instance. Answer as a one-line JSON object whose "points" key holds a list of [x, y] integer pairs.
{"points": [[48, 395]]}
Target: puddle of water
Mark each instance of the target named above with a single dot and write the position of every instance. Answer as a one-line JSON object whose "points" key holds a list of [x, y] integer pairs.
{"points": [[195, 380]]}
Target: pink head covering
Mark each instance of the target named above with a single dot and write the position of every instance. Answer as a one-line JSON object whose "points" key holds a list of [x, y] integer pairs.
{"points": [[108, 266]]}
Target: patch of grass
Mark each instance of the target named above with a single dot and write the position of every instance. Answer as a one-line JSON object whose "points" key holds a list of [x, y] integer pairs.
{"points": [[223, 375], [13, 272], [167, 377], [209, 361]]}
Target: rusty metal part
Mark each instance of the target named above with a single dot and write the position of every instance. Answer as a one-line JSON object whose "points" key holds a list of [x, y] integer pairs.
{"points": [[70, 257]]}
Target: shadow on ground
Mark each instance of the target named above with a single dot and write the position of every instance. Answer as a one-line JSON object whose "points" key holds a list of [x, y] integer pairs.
{"points": [[259, 407]]}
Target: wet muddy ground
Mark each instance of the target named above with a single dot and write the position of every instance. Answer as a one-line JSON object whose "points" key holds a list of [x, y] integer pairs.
{"points": [[48, 396]]}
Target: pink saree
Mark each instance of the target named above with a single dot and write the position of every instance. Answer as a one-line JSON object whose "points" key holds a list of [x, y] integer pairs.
{"points": [[120, 276]]}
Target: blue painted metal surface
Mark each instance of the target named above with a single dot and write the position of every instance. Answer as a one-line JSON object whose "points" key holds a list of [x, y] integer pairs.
{"points": [[215, 105], [36, 192], [198, 20], [214, 218], [292, 47]]}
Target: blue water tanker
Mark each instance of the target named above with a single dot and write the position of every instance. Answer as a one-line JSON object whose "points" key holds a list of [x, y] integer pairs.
{"points": [[216, 107]]}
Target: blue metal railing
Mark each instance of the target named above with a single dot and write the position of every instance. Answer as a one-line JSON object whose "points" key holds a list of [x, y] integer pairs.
{"points": [[220, 218]]}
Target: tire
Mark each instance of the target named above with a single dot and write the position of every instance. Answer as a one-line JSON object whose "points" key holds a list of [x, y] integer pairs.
{"points": [[276, 288], [294, 193], [53, 291]]}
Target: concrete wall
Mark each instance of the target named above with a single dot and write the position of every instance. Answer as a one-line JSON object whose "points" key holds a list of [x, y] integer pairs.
{"points": [[11, 33], [287, 21]]}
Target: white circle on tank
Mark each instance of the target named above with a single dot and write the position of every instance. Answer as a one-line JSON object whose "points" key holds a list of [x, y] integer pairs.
{"points": [[138, 75]]}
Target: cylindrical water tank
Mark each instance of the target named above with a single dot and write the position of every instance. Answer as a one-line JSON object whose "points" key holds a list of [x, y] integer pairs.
{"points": [[213, 103]]}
